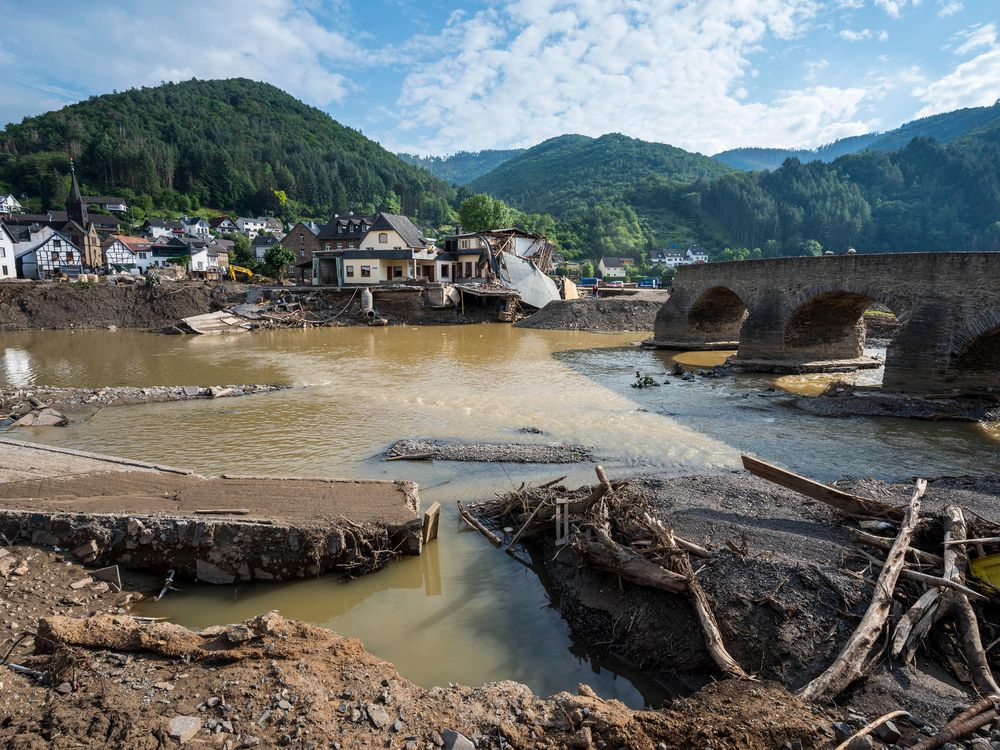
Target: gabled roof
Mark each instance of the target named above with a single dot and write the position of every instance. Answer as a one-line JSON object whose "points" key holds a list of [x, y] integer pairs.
{"points": [[217, 221], [612, 262], [135, 244], [5, 230], [164, 224], [264, 239], [33, 248], [401, 224]]}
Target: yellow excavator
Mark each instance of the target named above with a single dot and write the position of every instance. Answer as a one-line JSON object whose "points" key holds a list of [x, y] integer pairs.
{"points": [[233, 270]]}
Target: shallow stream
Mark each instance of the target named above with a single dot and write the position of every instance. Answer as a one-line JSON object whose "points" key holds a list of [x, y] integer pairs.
{"points": [[461, 612]]}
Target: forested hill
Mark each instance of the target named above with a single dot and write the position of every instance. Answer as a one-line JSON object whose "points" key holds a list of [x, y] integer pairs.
{"points": [[943, 128], [464, 166], [229, 144]]}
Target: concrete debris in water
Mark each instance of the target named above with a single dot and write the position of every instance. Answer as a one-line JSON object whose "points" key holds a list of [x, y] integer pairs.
{"points": [[520, 453]]}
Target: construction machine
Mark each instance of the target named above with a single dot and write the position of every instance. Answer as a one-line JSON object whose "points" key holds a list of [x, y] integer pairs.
{"points": [[233, 270]]}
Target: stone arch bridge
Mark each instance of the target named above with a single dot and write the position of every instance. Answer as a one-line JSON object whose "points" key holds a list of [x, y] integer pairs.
{"points": [[801, 314]]}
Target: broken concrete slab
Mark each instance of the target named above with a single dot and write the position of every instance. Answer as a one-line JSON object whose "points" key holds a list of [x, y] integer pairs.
{"points": [[111, 574], [81, 583], [184, 728]]}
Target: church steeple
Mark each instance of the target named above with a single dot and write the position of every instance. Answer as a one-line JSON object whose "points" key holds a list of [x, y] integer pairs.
{"points": [[76, 206]]}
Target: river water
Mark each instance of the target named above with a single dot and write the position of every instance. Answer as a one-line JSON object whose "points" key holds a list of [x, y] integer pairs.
{"points": [[462, 612]]}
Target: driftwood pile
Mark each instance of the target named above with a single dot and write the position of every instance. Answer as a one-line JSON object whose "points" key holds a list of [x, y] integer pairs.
{"points": [[924, 594]]}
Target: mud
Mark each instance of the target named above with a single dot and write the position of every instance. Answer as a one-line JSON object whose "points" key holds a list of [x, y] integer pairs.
{"points": [[511, 453], [48, 305], [600, 315], [105, 680], [780, 579], [19, 402]]}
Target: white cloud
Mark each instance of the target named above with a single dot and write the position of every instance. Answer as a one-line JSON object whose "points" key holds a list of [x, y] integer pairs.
{"points": [[528, 70], [980, 36], [273, 40], [857, 36], [895, 8], [950, 8], [814, 68], [974, 83]]}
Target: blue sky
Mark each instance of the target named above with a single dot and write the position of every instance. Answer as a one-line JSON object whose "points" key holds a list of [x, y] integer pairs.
{"points": [[442, 75]]}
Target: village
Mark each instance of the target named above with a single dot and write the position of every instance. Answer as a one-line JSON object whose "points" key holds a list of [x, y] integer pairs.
{"points": [[92, 237]]}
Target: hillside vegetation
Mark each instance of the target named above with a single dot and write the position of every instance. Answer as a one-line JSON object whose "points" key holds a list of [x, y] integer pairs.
{"points": [[230, 144], [464, 166], [944, 128]]}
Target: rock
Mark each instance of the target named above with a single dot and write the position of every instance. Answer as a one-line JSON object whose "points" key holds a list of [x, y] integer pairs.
{"points": [[168, 686], [861, 743], [285, 705], [250, 741], [7, 564], [43, 418], [44, 538], [397, 725], [888, 732], [183, 728], [842, 730], [455, 741], [191, 390], [86, 551], [238, 634], [64, 688], [582, 739], [377, 715], [81, 583], [209, 573], [437, 739]]}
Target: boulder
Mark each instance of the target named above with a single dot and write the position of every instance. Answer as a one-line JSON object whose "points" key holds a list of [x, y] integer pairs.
{"points": [[183, 728]]}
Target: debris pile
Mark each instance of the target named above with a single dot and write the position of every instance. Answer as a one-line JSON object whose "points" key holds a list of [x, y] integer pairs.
{"points": [[934, 590], [516, 453]]}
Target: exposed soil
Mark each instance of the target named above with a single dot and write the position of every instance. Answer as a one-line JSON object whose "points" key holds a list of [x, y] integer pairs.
{"points": [[510, 453], [36, 305], [781, 580], [602, 315], [109, 681]]}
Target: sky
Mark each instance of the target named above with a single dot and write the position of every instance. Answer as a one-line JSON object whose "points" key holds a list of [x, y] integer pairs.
{"points": [[440, 76]]}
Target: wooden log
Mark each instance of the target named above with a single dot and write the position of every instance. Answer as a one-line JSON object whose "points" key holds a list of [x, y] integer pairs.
{"points": [[842, 501], [882, 542], [710, 631], [478, 526], [850, 663], [604, 553], [914, 625], [956, 729], [984, 540], [972, 644], [867, 728], [936, 581]]}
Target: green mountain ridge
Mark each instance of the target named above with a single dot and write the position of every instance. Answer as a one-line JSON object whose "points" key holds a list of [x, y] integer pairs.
{"points": [[462, 167], [226, 143], [943, 128]]}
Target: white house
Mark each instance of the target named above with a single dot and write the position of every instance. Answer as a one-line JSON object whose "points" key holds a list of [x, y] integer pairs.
{"points": [[251, 227], [156, 228], [53, 255], [107, 202], [223, 225], [614, 268], [123, 251], [196, 227], [7, 267], [10, 205]]}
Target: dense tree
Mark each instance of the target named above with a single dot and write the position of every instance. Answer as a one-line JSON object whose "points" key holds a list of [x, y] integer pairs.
{"points": [[482, 211], [276, 260]]}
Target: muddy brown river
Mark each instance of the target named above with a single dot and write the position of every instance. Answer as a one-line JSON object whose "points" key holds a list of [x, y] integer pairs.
{"points": [[461, 612]]}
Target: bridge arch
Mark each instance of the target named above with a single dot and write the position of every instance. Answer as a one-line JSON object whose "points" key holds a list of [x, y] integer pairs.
{"points": [[976, 347], [717, 314], [826, 321]]}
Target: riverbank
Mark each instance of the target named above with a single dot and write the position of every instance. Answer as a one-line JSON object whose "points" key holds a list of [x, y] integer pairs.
{"points": [[783, 576], [846, 400], [98, 678], [606, 315]]}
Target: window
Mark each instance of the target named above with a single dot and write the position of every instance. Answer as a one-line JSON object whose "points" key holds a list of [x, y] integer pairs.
{"points": [[57, 244], [340, 245], [302, 253], [366, 271], [302, 239], [4, 269], [383, 238], [465, 244], [69, 256], [397, 272], [444, 272], [350, 270], [326, 246], [340, 228], [55, 256], [468, 269], [142, 256]]}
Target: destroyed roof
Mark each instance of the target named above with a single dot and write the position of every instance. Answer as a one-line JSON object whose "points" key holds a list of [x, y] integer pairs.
{"points": [[402, 225]]}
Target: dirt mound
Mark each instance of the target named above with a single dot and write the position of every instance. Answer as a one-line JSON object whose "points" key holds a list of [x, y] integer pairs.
{"points": [[601, 315], [37, 306]]}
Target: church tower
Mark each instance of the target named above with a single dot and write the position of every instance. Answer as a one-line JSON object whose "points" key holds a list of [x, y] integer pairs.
{"points": [[76, 206]]}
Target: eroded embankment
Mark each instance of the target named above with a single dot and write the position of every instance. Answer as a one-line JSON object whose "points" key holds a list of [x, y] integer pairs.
{"points": [[601, 315], [38, 306], [783, 574], [98, 678], [215, 529]]}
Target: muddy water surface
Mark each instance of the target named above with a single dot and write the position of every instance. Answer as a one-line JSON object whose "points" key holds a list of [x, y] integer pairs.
{"points": [[462, 612]]}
